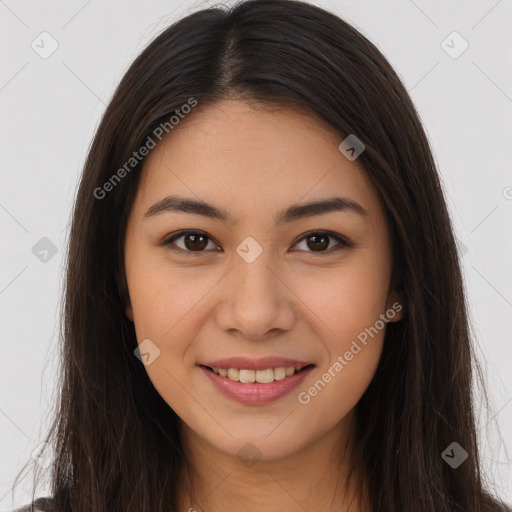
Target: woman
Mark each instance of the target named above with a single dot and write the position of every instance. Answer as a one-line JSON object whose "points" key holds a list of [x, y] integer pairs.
{"points": [[264, 307]]}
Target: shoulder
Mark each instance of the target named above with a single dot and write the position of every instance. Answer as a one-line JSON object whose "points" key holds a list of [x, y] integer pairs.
{"points": [[39, 505], [494, 505], [30, 508]]}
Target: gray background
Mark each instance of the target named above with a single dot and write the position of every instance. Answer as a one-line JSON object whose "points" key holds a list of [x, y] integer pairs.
{"points": [[51, 107]]}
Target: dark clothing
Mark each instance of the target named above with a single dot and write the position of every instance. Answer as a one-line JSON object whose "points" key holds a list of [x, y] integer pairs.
{"points": [[39, 505], [44, 505]]}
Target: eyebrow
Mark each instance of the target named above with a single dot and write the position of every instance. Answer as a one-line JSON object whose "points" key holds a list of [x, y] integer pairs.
{"points": [[292, 213]]}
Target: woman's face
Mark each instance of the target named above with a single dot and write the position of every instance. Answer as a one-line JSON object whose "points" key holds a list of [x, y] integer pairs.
{"points": [[258, 283]]}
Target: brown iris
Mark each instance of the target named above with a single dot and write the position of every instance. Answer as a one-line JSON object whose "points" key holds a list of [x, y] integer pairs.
{"points": [[320, 242], [199, 241]]}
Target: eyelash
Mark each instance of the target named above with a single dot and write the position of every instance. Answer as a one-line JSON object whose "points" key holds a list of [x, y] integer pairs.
{"points": [[343, 243]]}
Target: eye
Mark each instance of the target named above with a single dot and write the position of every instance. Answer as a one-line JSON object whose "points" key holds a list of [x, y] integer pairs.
{"points": [[320, 240], [196, 241]]}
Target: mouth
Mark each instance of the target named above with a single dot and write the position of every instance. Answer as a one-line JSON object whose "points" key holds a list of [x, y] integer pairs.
{"points": [[256, 387], [256, 381], [263, 376]]}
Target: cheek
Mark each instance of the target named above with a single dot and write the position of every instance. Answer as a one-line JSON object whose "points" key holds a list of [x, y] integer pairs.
{"points": [[353, 356], [163, 313], [346, 300], [351, 308], [338, 389], [160, 294], [166, 302]]}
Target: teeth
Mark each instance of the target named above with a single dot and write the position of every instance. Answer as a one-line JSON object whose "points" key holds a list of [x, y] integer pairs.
{"points": [[261, 376], [264, 376], [247, 376], [233, 374], [280, 373]]}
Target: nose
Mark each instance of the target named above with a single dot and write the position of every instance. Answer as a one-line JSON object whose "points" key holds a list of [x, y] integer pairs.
{"points": [[257, 304]]}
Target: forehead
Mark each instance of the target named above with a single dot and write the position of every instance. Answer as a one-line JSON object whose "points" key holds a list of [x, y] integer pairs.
{"points": [[251, 160]]}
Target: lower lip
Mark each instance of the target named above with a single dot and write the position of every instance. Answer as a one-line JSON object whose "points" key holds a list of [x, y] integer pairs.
{"points": [[256, 393]]}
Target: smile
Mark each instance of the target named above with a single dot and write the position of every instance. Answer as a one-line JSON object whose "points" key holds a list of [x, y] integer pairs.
{"points": [[261, 376], [255, 387]]}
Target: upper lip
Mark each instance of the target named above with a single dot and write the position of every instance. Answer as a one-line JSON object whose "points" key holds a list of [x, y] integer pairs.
{"points": [[244, 363]]}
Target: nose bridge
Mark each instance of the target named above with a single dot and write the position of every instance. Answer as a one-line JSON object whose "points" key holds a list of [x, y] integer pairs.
{"points": [[252, 266]]}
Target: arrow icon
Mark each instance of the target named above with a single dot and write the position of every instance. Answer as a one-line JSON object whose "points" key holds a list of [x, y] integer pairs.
{"points": [[450, 455]]}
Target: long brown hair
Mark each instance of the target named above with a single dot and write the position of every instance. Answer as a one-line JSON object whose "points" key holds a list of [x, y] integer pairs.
{"points": [[116, 441]]}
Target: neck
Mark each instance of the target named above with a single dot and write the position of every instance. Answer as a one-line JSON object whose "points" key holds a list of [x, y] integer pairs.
{"points": [[314, 478]]}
